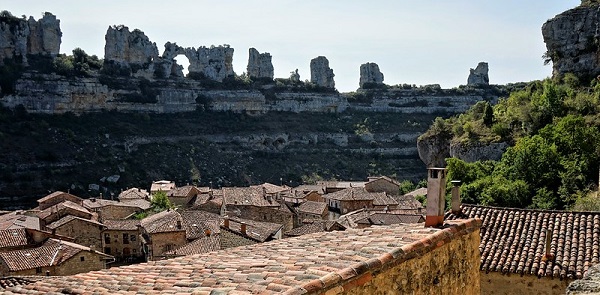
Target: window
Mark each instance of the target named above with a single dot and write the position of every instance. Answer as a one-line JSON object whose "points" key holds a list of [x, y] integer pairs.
{"points": [[82, 258], [132, 238], [106, 238], [38, 270], [107, 250], [168, 247], [125, 238], [134, 251]]}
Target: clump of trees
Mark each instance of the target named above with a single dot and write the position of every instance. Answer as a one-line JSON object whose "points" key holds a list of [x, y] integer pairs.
{"points": [[553, 127]]}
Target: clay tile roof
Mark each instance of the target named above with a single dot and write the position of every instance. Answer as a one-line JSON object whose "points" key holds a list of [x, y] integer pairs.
{"points": [[251, 196], [51, 252], [162, 185], [6, 282], [272, 189], [165, 221], [314, 227], [513, 240], [183, 191], [372, 179], [341, 184], [133, 193], [408, 202], [307, 188], [197, 222], [418, 192], [14, 238], [287, 265], [98, 203], [198, 246], [312, 207], [352, 194], [55, 194], [68, 219], [382, 199], [379, 218], [18, 219], [121, 224], [255, 230], [138, 203], [61, 206]]}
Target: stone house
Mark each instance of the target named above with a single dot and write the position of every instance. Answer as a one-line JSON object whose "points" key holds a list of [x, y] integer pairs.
{"points": [[19, 219], [383, 184], [52, 257], [121, 239], [57, 198], [351, 199], [312, 210], [84, 232], [182, 196], [239, 232], [109, 209], [384, 202], [334, 186], [60, 210], [526, 251], [161, 186], [254, 204], [134, 194], [161, 233]]}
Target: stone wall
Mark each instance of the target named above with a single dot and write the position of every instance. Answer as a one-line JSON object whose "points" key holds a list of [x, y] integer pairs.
{"points": [[116, 212], [165, 242], [500, 284], [85, 233], [116, 243], [263, 214], [450, 269], [74, 265]]}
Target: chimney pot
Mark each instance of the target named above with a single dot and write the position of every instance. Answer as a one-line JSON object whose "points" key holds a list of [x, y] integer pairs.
{"points": [[226, 222], [207, 232], [243, 228], [456, 210]]}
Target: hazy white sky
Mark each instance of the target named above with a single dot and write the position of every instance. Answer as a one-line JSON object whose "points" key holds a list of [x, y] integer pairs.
{"points": [[413, 41]]}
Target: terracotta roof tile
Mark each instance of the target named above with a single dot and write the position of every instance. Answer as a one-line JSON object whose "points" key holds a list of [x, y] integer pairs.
{"points": [[61, 206], [19, 219], [68, 219], [198, 246], [6, 282], [273, 189], [382, 199], [513, 240], [165, 221], [197, 222], [352, 194], [314, 226], [184, 191], [251, 196], [54, 195], [255, 230], [14, 238], [307, 188], [138, 203], [121, 224], [380, 218], [134, 193], [408, 202], [162, 185], [311, 207], [305, 263]]}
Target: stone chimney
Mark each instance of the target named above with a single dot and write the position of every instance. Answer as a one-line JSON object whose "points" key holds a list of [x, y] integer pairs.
{"points": [[436, 192], [243, 228], [456, 210]]}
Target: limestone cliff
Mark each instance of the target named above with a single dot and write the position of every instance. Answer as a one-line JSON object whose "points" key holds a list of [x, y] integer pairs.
{"points": [[370, 74], [479, 75], [320, 72], [20, 37], [572, 40], [259, 64]]}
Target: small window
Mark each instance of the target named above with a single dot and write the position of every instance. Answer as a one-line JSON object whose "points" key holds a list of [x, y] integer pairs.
{"points": [[38, 270], [125, 238], [134, 251], [82, 258], [106, 238], [132, 238], [107, 250]]}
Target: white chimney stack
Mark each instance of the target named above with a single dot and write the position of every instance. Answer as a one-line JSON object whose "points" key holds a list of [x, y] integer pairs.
{"points": [[436, 192]]}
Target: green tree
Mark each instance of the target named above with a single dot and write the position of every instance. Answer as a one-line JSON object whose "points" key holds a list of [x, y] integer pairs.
{"points": [[160, 202], [488, 115]]}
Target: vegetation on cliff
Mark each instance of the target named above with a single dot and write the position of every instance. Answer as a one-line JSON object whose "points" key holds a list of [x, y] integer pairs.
{"points": [[553, 127]]}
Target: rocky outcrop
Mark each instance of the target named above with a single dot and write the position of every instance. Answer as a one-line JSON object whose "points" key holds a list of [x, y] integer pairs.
{"points": [[370, 74], [572, 41], [20, 37], [433, 150], [294, 76], [260, 64], [479, 75], [473, 152], [215, 62], [130, 50], [320, 73]]}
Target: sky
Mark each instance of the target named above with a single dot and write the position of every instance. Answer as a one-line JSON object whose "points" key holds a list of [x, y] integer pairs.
{"points": [[413, 41]]}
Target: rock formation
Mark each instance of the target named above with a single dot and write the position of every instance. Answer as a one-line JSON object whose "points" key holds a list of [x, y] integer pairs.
{"points": [[572, 40], [479, 75], [130, 50], [259, 64], [294, 76], [320, 73], [20, 37], [370, 73], [215, 63]]}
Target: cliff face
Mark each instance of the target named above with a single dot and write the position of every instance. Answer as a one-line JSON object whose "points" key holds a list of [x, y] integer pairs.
{"points": [[20, 37], [572, 41]]}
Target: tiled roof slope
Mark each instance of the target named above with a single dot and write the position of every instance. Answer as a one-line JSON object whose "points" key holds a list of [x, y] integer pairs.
{"points": [[13, 238], [165, 221], [121, 224], [133, 193], [513, 240], [6, 282], [300, 265], [18, 219], [68, 219], [379, 218], [353, 194], [312, 207], [247, 196], [314, 227], [198, 246]]}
